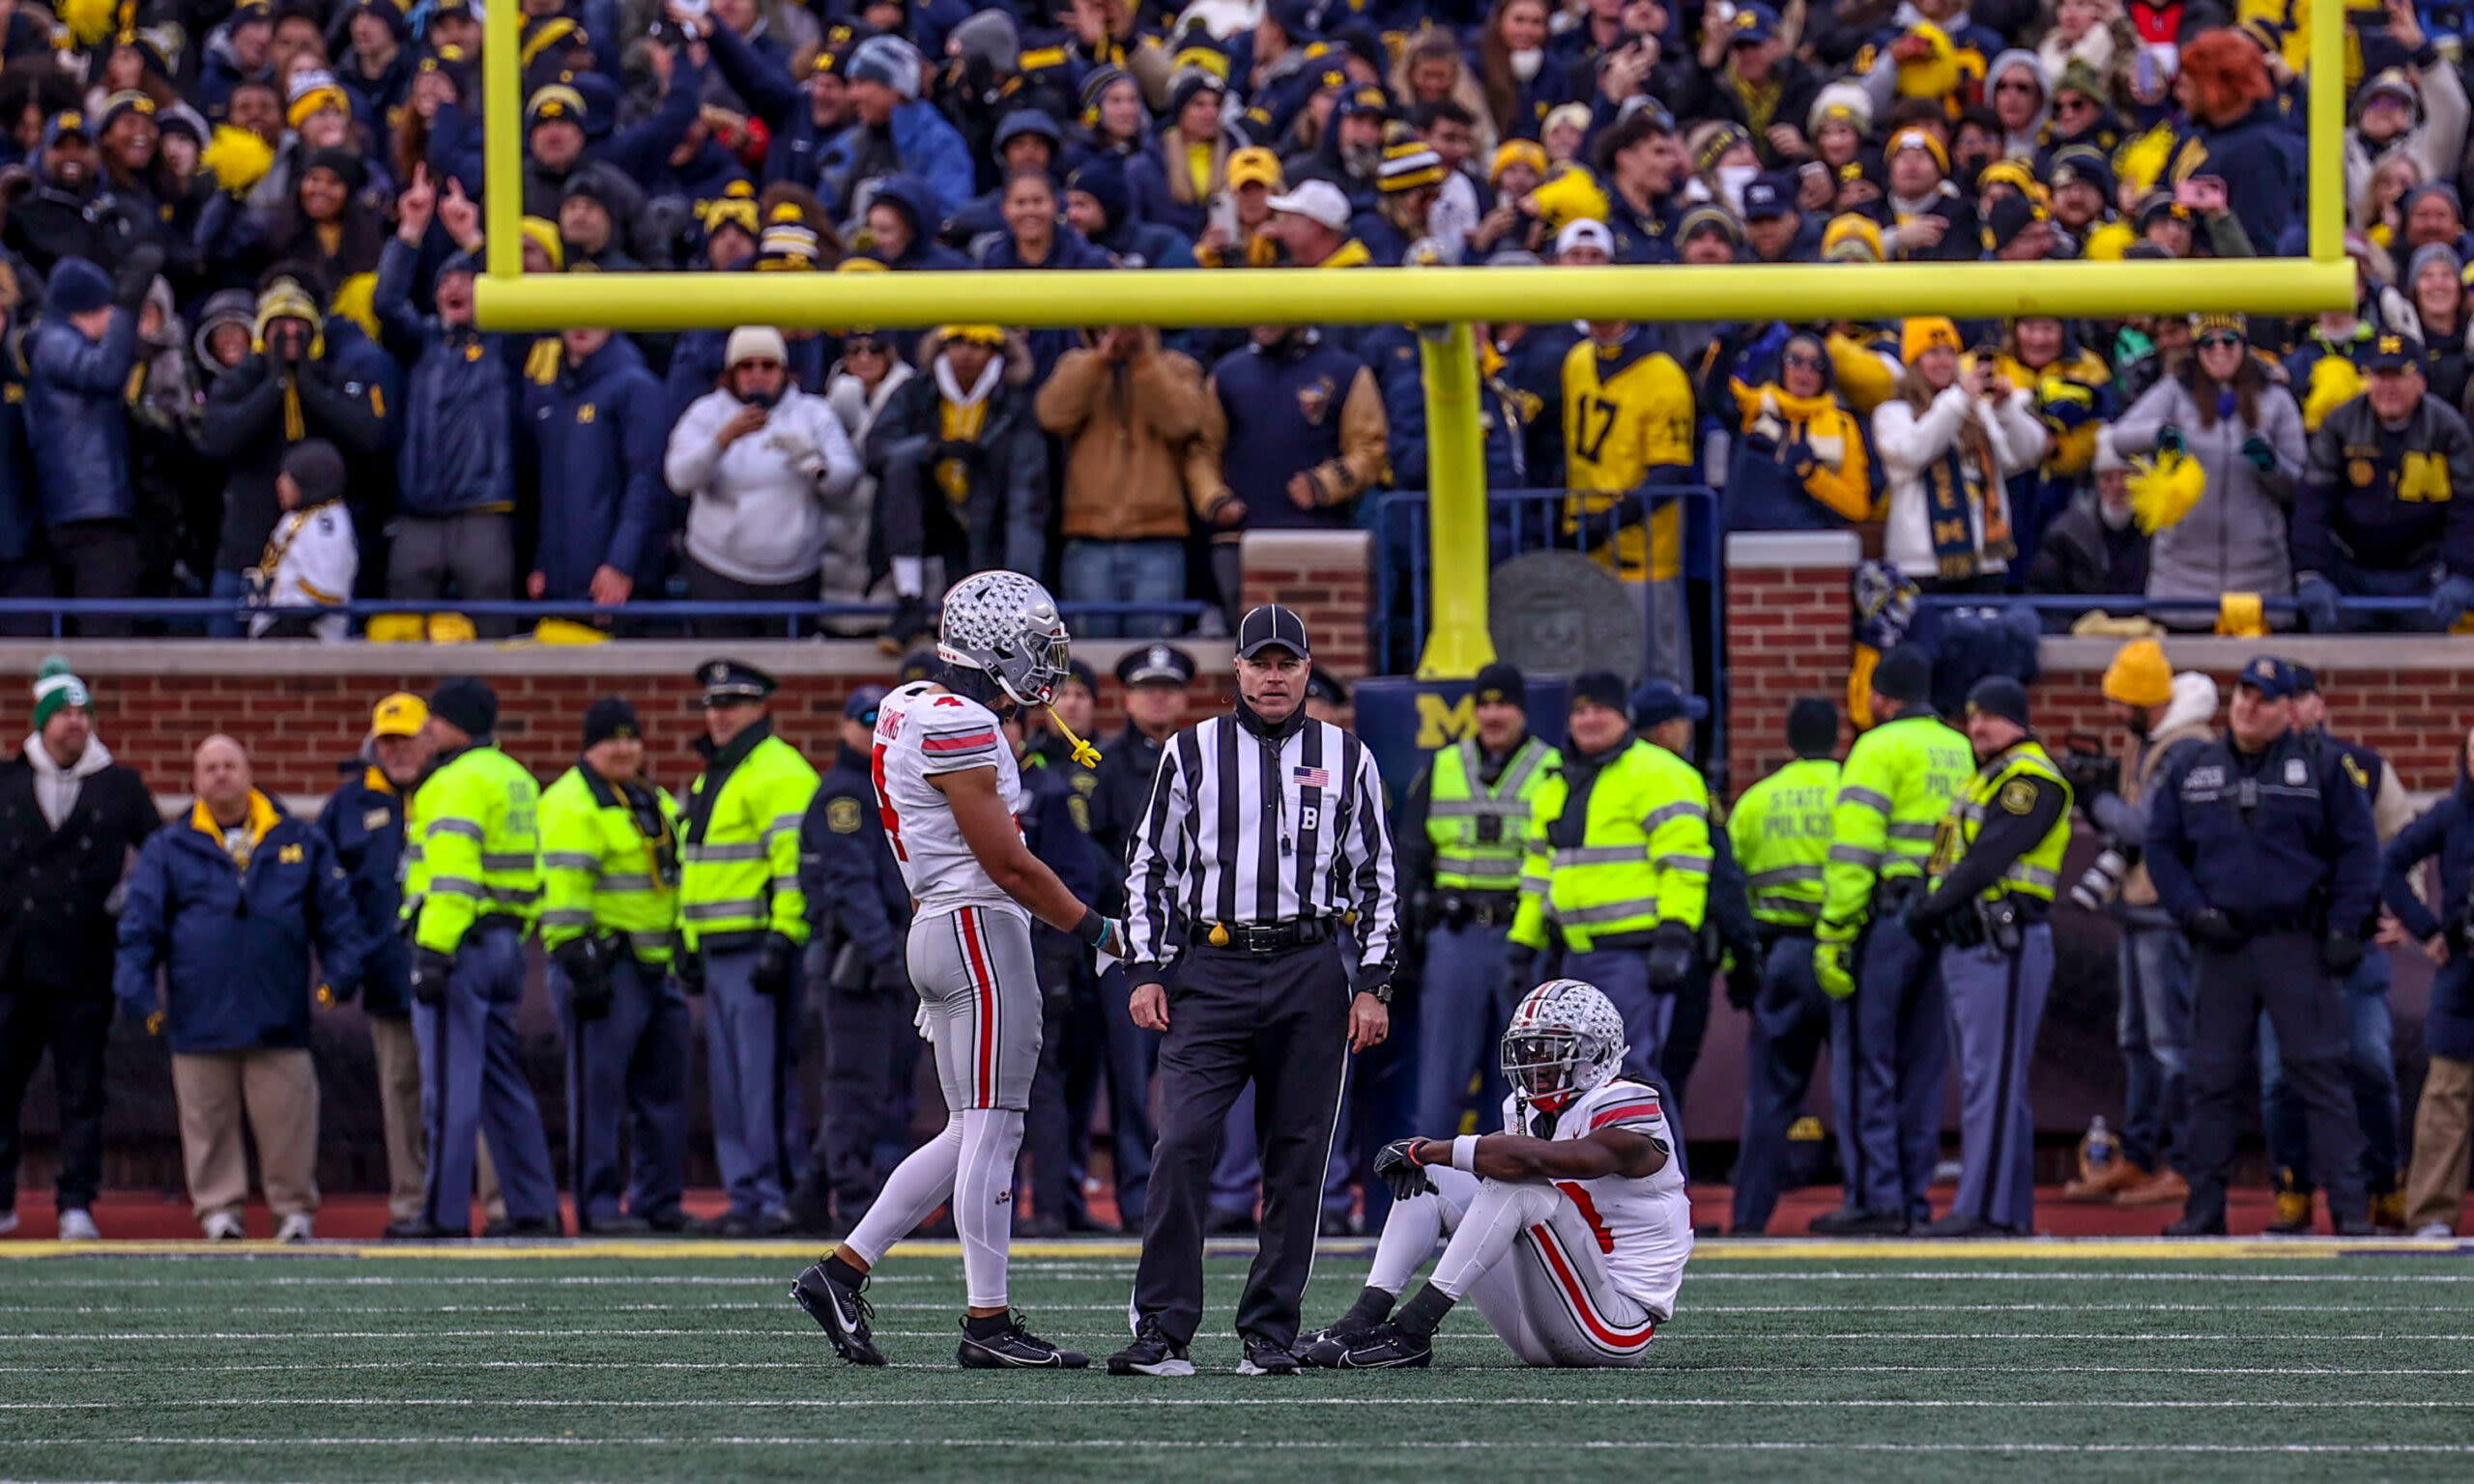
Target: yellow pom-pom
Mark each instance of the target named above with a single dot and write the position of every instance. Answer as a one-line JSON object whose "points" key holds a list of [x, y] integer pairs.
{"points": [[2164, 489], [2334, 383], [357, 301], [88, 20], [237, 159]]}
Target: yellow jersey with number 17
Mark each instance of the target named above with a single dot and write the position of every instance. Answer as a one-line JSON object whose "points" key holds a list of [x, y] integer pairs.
{"points": [[1628, 413]]}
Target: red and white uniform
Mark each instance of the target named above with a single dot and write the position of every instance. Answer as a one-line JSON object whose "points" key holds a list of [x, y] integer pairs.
{"points": [[922, 731], [1641, 1227]]}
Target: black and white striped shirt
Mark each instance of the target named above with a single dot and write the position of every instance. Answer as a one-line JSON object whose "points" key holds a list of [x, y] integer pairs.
{"points": [[1250, 830]]}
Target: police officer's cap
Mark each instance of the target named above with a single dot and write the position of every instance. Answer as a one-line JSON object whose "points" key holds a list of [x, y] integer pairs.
{"points": [[1812, 726], [1268, 627], [611, 717], [1999, 696], [1502, 684], [1660, 700], [2273, 678], [1904, 674], [466, 703], [919, 665], [1324, 686], [862, 705], [728, 682], [1155, 665], [1597, 688]]}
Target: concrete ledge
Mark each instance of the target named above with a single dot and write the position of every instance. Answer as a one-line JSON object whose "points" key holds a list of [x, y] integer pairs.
{"points": [[1748, 550], [1302, 550], [633, 658], [2330, 655]]}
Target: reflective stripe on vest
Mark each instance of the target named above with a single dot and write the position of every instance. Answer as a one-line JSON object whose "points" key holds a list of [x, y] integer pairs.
{"points": [[1457, 805]]}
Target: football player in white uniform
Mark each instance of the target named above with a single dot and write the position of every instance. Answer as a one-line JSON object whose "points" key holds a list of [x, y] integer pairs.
{"points": [[1569, 1229], [947, 787]]}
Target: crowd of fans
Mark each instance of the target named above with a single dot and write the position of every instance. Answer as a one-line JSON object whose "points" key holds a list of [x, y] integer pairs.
{"points": [[231, 230]]}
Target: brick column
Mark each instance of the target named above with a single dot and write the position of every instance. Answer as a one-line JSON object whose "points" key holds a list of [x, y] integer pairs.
{"points": [[1786, 628], [1328, 577]]}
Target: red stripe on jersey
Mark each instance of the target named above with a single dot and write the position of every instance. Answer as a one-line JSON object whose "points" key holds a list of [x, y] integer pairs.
{"points": [[984, 986], [962, 744], [1561, 1266], [1621, 1111]]}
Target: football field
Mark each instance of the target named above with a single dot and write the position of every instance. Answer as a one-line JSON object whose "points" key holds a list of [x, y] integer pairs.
{"points": [[2044, 1360]]}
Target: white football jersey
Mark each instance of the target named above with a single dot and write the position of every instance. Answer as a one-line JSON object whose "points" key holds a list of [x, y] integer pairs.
{"points": [[921, 731], [1644, 1227]]}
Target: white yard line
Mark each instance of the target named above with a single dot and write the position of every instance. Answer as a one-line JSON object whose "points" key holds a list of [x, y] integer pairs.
{"points": [[1250, 1446], [868, 1402], [723, 1332]]}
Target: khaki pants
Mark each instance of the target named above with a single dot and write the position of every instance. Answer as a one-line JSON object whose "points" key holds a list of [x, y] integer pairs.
{"points": [[399, 1107], [2443, 1142], [279, 1089]]}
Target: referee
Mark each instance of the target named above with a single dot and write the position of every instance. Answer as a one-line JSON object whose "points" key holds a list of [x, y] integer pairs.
{"points": [[1264, 835]]}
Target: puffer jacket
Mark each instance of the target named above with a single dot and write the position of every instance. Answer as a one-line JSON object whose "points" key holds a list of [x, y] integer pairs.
{"points": [[1004, 511], [246, 431], [753, 514], [232, 943], [596, 433], [1125, 425], [78, 417], [458, 449], [930, 150], [2234, 538], [364, 824]]}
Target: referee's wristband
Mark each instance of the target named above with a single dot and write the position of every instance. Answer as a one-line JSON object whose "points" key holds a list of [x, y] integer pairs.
{"points": [[1464, 1154], [1093, 929]]}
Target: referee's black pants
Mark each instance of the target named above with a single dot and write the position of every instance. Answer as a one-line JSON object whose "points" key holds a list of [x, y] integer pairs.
{"points": [[1282, 1021]]}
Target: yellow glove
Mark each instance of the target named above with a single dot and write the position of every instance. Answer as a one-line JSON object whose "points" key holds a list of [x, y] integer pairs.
{"points": [[154, 1022], [1832, 969]]}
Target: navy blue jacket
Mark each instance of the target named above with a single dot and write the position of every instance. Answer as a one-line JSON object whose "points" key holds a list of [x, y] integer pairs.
{"points": [[695, 365], [1059, 835], [2446, 831], [919, 206], [364, 824], [20, 505], [2262, 159], [78, 415], [233, 946], [847, 869], [2303, 857], [458, 449], [1261, 394], [1400, 369], [599, 437], [765, 85]]}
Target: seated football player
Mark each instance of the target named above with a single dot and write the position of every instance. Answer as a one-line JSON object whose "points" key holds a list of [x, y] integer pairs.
{"points": [[1569, 1230]]}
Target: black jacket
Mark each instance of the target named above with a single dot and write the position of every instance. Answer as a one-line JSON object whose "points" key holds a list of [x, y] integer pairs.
{"points": [[54, 933]]}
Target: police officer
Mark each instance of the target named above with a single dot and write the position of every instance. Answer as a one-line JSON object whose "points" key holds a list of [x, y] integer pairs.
{"points": [[1617, 873], [1890, 1049], [2370, 1063], [1155, 678], [1996, 859], [471, 888], [1781, 831], [743, 920], [1079, 1043], [1665, 716], [609, 922], [2265, 852], [1051, 821], [1464, 829], [857, 903]]}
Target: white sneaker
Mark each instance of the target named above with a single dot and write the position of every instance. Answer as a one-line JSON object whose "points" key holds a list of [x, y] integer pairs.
{"points": [[8, 1222], [294, 1228], [2434, 1231], [223, 1226], [75, 1225]]}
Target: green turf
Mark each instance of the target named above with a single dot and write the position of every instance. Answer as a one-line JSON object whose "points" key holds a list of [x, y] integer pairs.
{"points": [[272, 1369]]}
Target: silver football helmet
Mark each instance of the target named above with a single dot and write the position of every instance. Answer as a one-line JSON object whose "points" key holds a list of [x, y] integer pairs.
{"points": [[1565, 1040], [1005, 625]]}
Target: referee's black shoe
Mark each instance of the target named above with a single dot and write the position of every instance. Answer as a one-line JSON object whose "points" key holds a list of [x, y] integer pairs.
{"points": [[1152, 1354], [838, 1304], [1001, 1343], [1267, 1358], [1387, 1347]]}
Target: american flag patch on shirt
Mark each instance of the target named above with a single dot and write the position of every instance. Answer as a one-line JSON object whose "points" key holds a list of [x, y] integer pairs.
{"points": [[1312, 778]]}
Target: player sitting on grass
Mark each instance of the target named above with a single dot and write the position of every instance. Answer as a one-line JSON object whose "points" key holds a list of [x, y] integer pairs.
{"points": [[1569, 1229], [948, 789]]}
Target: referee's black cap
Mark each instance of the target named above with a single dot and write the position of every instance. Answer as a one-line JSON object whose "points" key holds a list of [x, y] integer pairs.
{"points": [[1155, 665], [730, 681], [1268, 626]]}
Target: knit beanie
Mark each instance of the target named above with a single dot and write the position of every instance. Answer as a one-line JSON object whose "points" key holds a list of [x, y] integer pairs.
{"points": [[55, 687], [467, 704]]}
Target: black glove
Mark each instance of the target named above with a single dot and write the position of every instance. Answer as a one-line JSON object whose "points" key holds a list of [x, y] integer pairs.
{"points": [[1800, 459], [687, 967], [1520, 973], [777, 968], [1400, 1172], [2212, 928], [135, 275], [1925, 931], [2340, 952], [431, 970], [1744, 985], [586, 962], [1761, 445], [1670, 957]]}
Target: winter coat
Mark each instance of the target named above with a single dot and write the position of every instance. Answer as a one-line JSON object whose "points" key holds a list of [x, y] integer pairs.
{"points": [[50, 222], [458, 448], [2189, 719], [2385, 501], [917, 203], [362, 823], [1070, 250], [1710, 93], [850, 521], [595, 434], [233, 942], [1394, 353], [56, 884], [2233, 540], [2260, 156], [756, 510], [1004, 510], [766, 86], [1270, 415], [250, 424], [1125, 425], [78, 415], [1773, 486], [2083, 556], [2436, 141], [2445, 832], [20, 498], [1908, 442], [924, 147]]}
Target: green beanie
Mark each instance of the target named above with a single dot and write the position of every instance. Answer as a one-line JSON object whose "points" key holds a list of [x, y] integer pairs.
{"points": [[56, 687]]}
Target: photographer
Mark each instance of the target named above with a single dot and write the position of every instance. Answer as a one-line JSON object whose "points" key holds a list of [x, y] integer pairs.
{"points": [[2157, 712]]}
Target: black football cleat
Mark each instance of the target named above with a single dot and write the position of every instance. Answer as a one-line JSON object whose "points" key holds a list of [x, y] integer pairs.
{"points": [[1266, 1358], [1322, 1349], [2197, 1226], [1152, 1354], [1387, 1347], [1848, 1222], [842, 1309], [1001, 1343], [1959, 1227]]}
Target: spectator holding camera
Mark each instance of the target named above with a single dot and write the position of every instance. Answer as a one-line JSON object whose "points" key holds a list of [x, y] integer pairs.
{"points": [[1948, 442], [2377, 513], [1127, 409], [2444, 1122]]}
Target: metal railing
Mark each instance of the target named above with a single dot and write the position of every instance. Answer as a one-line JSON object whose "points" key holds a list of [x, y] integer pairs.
{"points": [[2133, 605], [192, 617]]}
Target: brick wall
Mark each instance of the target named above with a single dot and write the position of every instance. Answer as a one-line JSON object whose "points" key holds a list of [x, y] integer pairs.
{"points": [[1328, 577], [1786, 635]]}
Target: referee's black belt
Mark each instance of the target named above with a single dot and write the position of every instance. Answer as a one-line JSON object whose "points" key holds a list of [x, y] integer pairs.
{"points": [[1266, 937]]}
